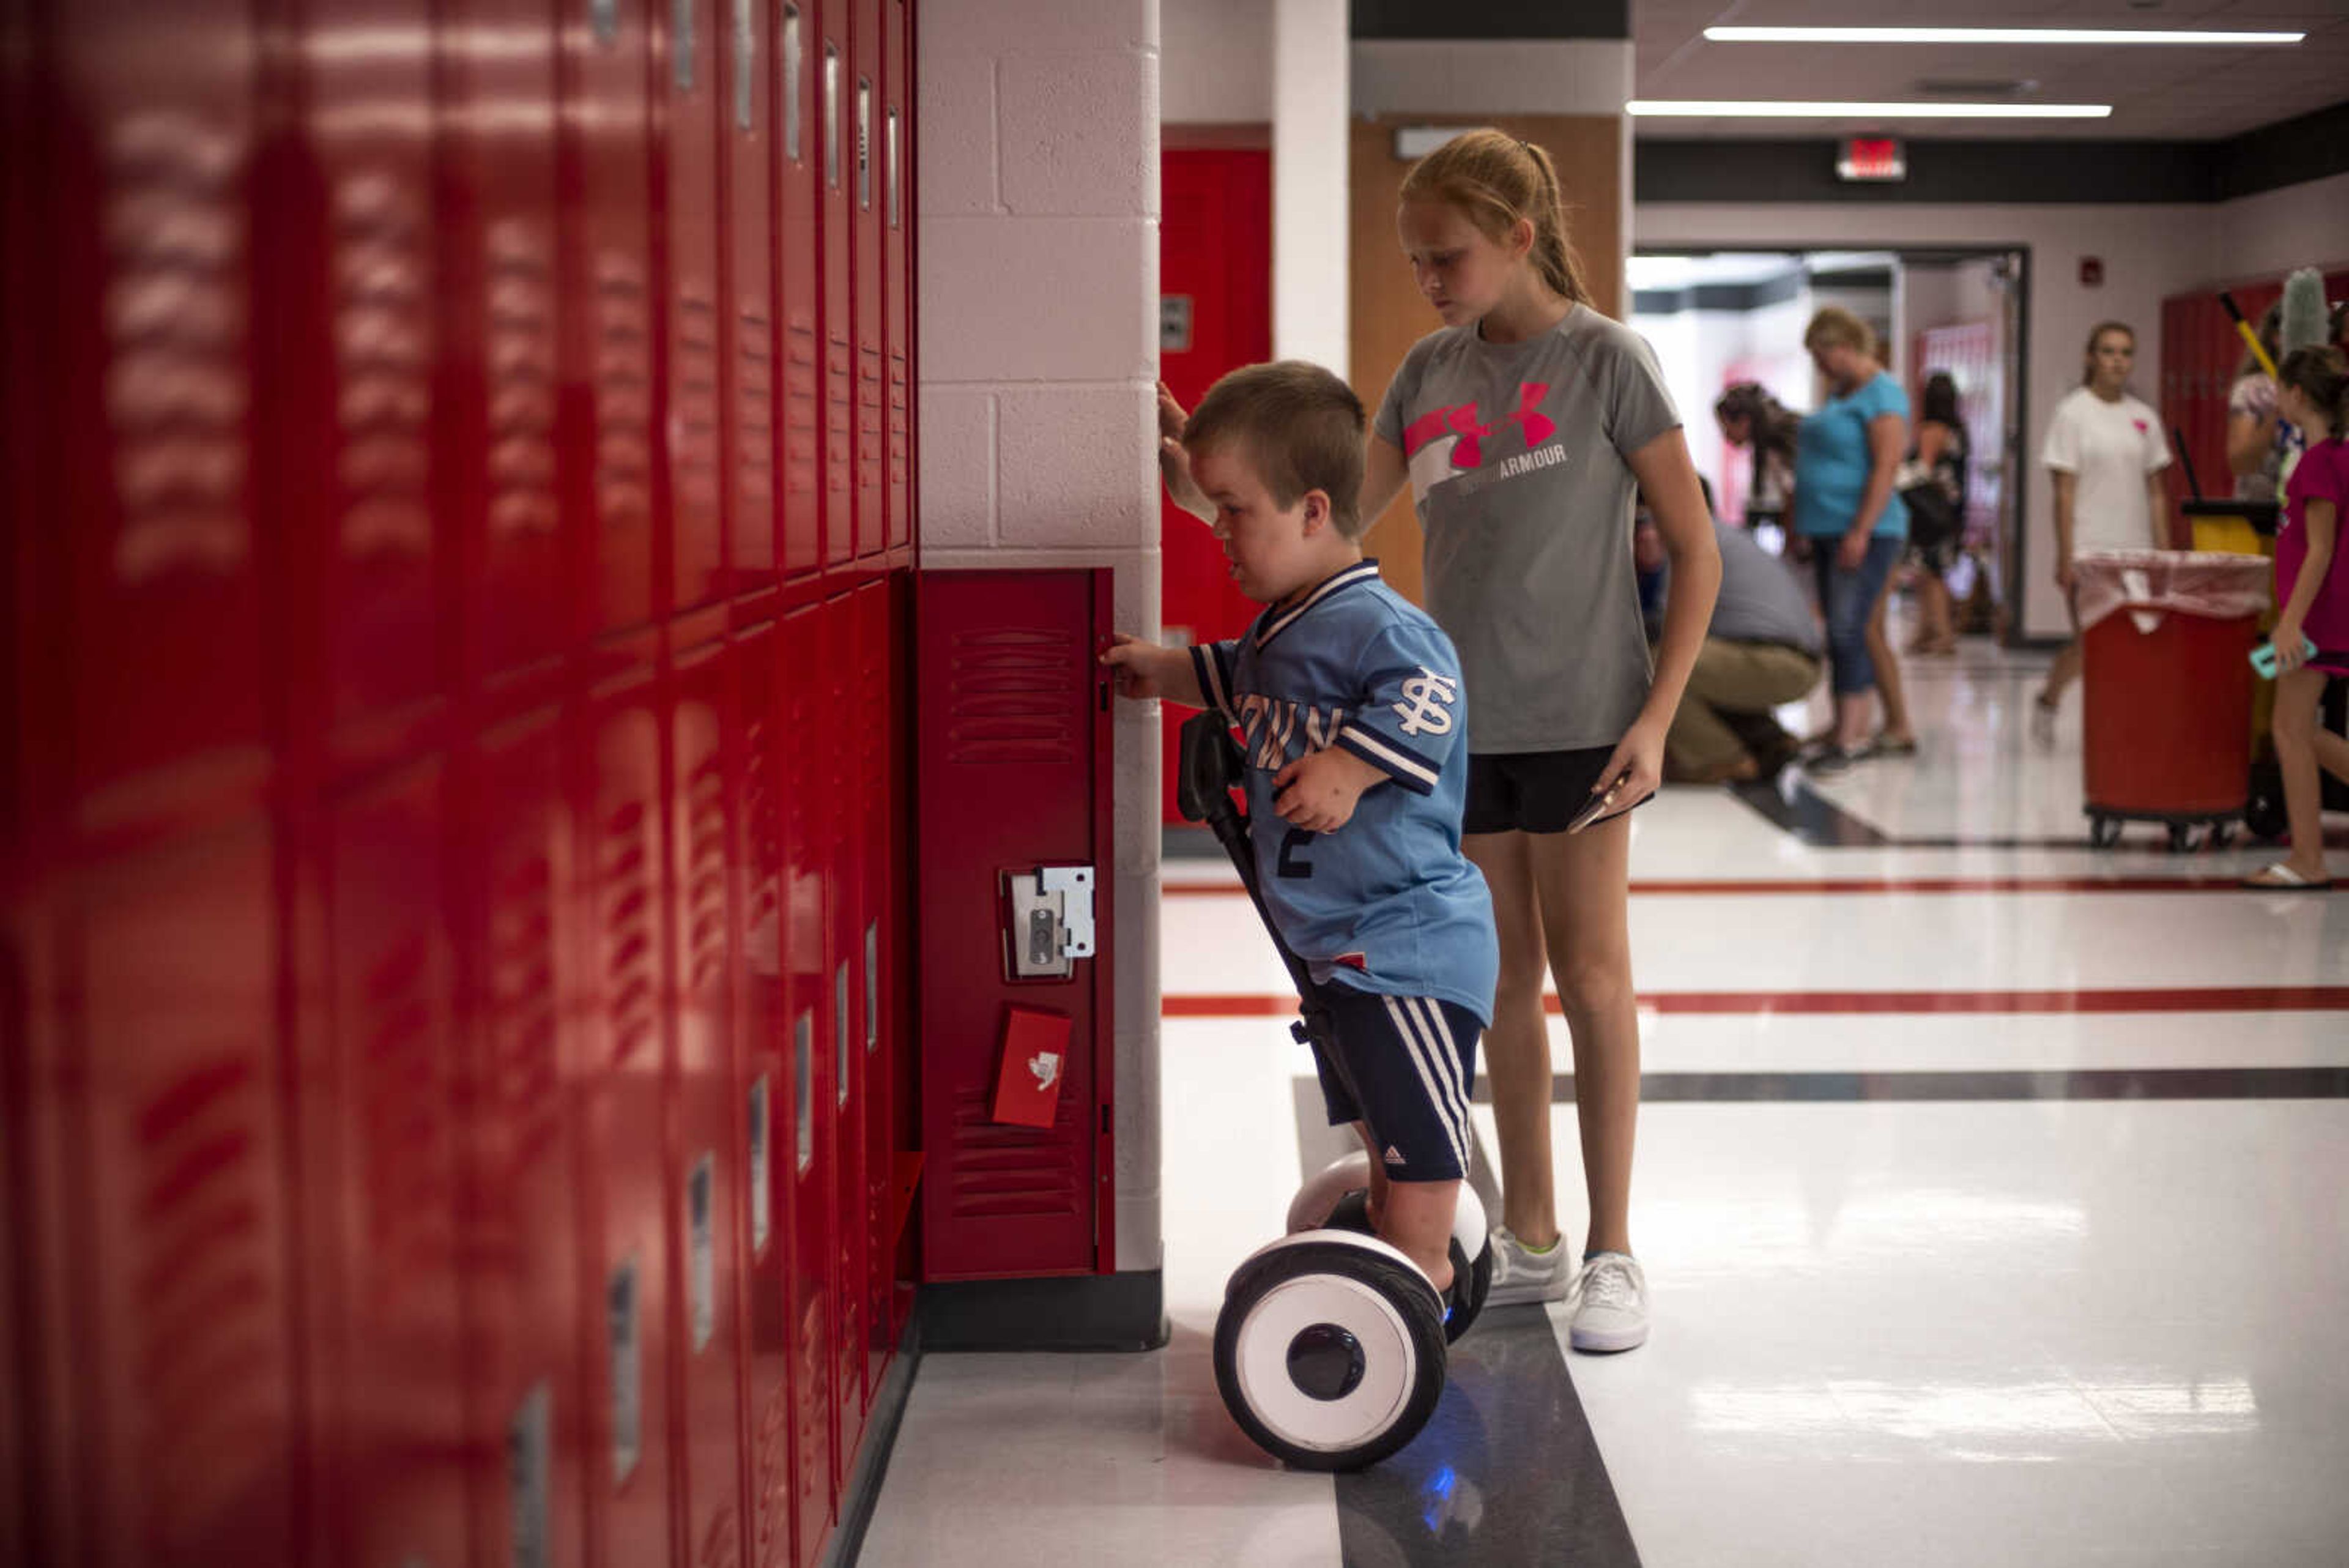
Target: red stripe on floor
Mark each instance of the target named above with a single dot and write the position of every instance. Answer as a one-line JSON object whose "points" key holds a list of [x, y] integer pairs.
{"points": [[1848, 884], [2192, 998]]}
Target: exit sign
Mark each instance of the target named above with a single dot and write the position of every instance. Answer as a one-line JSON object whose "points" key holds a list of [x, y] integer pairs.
{"points": [[1871, 158]]}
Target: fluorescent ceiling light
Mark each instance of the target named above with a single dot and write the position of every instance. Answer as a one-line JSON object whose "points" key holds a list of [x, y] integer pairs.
{"points": [[1763, 109], [1988, 35]]}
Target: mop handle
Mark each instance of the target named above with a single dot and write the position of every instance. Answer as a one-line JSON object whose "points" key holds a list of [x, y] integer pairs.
{"points": [[2250, 337], [2192, 484]]}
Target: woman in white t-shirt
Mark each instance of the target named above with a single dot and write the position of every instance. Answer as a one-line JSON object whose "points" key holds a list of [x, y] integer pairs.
{"points": [[2106, 452]]}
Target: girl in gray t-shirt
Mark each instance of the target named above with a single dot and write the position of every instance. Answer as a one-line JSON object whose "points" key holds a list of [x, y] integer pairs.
{"points": [[1523, 427]]}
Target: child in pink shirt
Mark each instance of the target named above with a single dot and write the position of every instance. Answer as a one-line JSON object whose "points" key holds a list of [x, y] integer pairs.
{"points": [[2313, 588]]}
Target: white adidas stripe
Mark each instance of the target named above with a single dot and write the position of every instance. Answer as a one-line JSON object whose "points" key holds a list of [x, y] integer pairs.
{"points": [[1456, 1079], [1421, 1048]]}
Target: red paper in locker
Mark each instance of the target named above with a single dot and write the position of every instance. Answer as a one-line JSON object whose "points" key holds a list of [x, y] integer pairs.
{"points": [[1035, 1061]]}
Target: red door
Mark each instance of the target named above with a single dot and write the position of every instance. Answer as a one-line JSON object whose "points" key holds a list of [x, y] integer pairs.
{"points": [[1214, 268]]}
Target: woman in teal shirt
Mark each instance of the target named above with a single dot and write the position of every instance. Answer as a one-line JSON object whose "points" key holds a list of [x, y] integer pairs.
{"points": [[1845, 507]]}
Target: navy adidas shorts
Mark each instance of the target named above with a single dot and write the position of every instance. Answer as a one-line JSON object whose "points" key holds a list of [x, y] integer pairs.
{"points": [[1413, 1061]]}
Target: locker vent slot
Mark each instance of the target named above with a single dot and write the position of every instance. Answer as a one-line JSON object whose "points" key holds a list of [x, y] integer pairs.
{"points": [[1008, 699], [694, 404], [1004, 1171], [630, 959], [623, 395], [208, 1346], [403, 1111], [526, 1086], [705, 896], [521, 362], [176, 390], [755, 411], [803, 440], [384, 363]]}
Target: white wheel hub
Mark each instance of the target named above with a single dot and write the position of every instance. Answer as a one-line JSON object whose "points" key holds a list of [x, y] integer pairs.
{"points": [[1388, 1364]]}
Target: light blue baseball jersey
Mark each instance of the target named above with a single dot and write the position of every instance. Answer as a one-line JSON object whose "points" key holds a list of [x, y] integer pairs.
{"points": [[1387, 904]]}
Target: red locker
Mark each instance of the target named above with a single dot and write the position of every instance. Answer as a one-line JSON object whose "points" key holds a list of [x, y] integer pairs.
{"points": [[1215, 250], [688, 63], [608, 309], [835, 239], [877, 956], [356, 335], [750, 432], [897, 182], [391, 1400], [495, 397], [175, 1230], [152, 176], [530, 1452], [840, 808], [700, 837], [1013, 773], [763, 1009], [630, 1311], [904, 1263], [806, 869], [867, 271], [798, 154]]}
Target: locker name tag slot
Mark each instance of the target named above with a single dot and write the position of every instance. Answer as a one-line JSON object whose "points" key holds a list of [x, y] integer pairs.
{"points": [[628, 1367], [1049, 921], [530, 1445], [701, 1189]]}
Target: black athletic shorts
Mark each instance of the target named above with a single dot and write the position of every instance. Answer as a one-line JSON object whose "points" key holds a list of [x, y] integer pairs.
{"points": [[1532, 792], [1413, 1061]]}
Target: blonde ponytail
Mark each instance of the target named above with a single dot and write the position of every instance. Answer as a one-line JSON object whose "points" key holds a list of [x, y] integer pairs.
{"points": [[1494, 179]]}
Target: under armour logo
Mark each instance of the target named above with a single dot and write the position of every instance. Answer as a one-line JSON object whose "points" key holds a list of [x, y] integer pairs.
{"points": [[1465, 422], [1427, 706]]}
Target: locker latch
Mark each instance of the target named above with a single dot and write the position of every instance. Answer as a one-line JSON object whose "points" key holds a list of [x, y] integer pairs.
{"points": [[1050, 911]]}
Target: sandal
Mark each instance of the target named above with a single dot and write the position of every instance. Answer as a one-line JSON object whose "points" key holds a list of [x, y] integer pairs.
{"points": [[1885, 746], [2281, 879]]}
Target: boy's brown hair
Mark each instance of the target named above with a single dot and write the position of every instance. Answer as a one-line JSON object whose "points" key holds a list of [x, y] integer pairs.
{"points": [[1300, 425]]}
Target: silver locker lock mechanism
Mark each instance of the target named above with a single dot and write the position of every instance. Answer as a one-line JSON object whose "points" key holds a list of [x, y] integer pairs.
{"points": [[1051, 913]]}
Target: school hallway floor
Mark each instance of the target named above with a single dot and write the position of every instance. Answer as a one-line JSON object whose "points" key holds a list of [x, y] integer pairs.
{"points": [[1992, 1190]]}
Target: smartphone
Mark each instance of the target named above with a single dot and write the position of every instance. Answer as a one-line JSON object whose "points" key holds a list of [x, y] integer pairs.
{"points": [[2263, 656], [1598, 804]]}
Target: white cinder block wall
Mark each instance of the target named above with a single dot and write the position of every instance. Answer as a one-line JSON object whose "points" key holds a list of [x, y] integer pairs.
{"points": [[1039, 295]]}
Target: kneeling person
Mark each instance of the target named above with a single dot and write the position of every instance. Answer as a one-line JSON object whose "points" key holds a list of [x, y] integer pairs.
{"points": [[1357, 765]]}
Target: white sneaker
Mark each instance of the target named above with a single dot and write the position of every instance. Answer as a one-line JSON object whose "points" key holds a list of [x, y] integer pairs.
{"points": [[1521, 1274], [1610, 1305]]}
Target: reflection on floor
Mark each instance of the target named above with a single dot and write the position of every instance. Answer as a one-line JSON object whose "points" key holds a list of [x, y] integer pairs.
{"points": [[1991, 1188]]}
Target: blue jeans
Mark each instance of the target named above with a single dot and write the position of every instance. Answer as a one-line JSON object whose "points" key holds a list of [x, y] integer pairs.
{"points": [[1849, 598]]}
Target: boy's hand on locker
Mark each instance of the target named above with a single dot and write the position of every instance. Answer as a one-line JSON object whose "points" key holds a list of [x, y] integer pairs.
{"points": [[1318, 791], [1135, 662]]}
